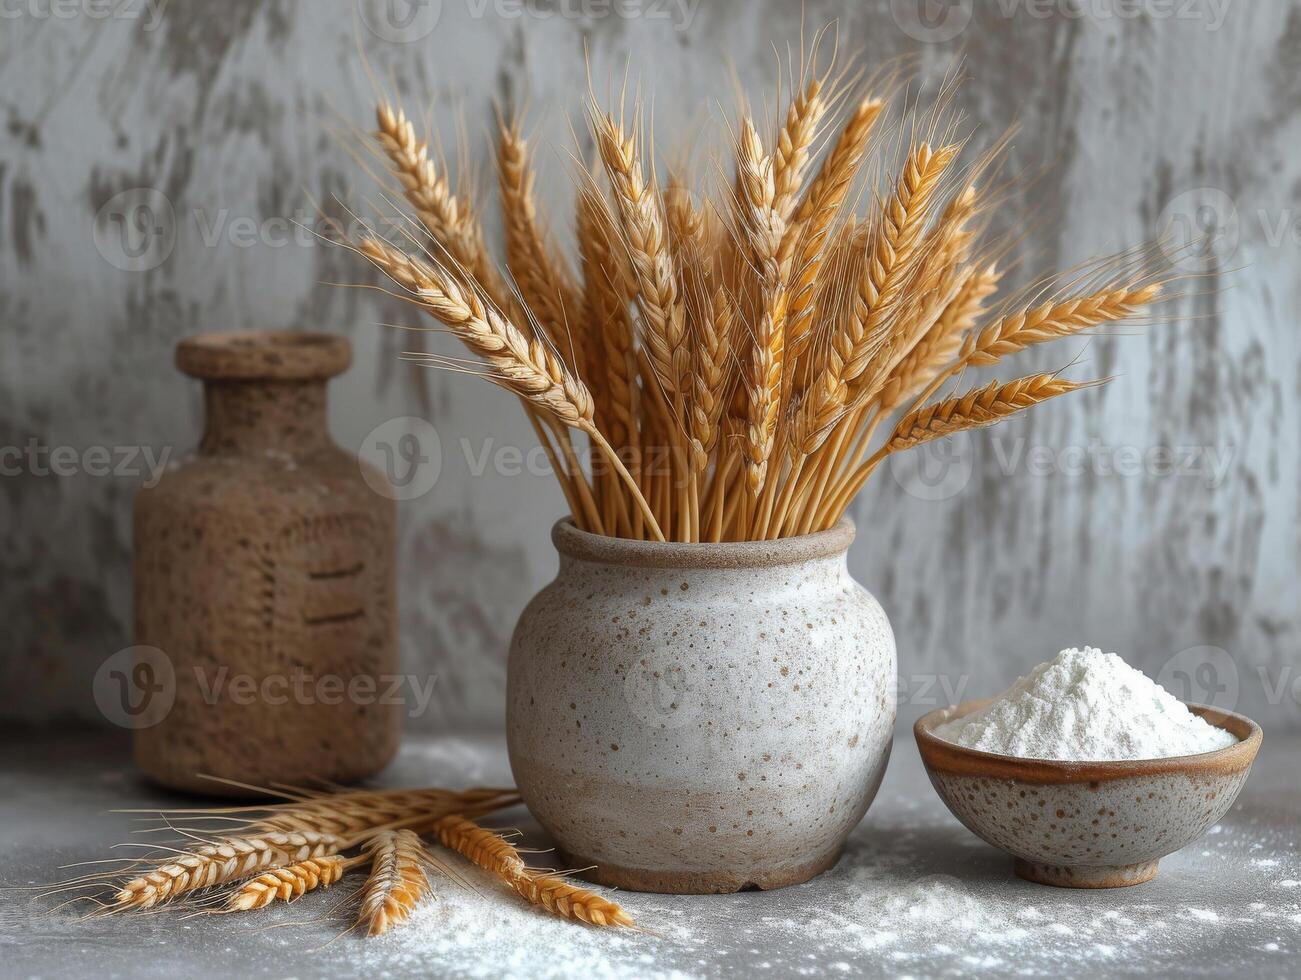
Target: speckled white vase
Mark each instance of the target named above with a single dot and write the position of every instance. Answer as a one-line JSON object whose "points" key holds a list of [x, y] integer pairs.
{"points": [[701, 717]]}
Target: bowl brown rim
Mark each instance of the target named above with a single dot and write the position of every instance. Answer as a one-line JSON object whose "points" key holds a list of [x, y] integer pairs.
{"points": [[949, 757]]}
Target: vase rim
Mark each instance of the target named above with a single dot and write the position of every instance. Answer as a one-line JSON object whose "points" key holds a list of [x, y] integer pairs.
{"points": [[575, 543], [264, 355]]}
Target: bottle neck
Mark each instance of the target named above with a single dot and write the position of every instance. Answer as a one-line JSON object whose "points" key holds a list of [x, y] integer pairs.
{"points": [[258, 415]]}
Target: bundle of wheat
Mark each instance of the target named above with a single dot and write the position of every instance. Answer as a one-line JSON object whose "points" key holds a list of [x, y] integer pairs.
{"points": [[728, 360]]}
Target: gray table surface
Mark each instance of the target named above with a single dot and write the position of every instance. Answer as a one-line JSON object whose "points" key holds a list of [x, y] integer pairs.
{"points": [[914, 895]]}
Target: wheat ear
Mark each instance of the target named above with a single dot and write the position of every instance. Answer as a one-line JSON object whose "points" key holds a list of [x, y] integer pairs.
{"points": [[646, 242], [570, 901], [846, 376], [528, 368], [892, 258], [805, 238], [220, 861], [713, 367], [481, 846], [610, 331], [791, 155], [288, 883], [710, 318], [1052, 320], [762, 228], [974, 409], [496, 855], [438, 209], [547, 286], [398, 880]]}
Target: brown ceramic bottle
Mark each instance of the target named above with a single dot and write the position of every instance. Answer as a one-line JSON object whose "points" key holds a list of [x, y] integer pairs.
{"points": [[264, 573]]}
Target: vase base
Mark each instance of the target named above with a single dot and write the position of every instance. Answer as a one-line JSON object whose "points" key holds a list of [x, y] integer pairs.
{"points": [[688, 882], [1108, 876]]}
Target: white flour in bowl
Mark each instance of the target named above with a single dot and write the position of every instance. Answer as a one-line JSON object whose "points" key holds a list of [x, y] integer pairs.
{"points": [[1086, 706]]}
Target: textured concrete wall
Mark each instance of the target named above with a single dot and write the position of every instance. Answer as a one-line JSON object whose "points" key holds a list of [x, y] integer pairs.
{"points": [[227, 118]]}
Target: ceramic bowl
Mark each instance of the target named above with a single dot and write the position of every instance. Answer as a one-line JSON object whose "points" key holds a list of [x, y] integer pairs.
{"points": [[1087, 824]]}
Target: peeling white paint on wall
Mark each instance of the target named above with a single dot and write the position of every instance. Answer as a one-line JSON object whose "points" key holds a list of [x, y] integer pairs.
{"points": [[1154, 516]]}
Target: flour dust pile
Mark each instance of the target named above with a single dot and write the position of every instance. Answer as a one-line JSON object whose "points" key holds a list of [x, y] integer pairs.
{"points": [[1086, 706]]}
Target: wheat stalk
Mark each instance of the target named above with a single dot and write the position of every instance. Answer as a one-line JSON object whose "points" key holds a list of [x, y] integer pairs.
{"points": [[891, 258], [974, 409], [287, 883], [223, 860], [762, 228], [1051, 320], [570, 901], [646, 241], [497, 856], [547, 286], [443, 215], [791, 155], [806, 236], [352, 814], [481, 846], [610, 330], [398, 880], [528, 368], [941, 343], [846, 377]]}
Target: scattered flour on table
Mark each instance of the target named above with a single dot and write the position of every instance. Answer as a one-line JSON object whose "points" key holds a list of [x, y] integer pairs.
{"points": [[486, 932], [1086, 705], [882, 906]]}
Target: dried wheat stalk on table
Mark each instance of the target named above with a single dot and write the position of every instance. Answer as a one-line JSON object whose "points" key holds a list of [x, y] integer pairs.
{"points": [[398, 880], [222, 861], [307, 844], [729, 354], [287, 883], [497, 856]]}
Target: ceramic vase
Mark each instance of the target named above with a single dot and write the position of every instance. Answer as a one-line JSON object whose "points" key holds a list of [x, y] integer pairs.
{"points": [[701, 717]]}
